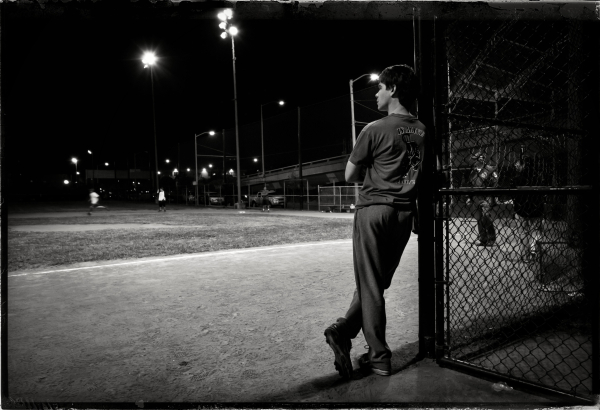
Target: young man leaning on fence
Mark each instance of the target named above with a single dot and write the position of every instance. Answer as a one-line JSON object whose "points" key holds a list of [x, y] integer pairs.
{"points": [[387, 160]]}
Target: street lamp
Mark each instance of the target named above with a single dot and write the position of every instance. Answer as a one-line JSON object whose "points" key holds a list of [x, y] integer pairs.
{"points": [[74, 161], [149, 59], [196, 157], [93, 169], [229, 30], [373, 77], [262, 145]]}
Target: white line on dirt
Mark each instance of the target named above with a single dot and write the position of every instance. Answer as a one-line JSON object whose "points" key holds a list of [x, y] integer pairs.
{"points": [[196, 255]]}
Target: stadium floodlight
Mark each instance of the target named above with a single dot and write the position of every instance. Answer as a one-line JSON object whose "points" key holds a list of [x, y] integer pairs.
{"points": [[374, 77], [224, 16]]}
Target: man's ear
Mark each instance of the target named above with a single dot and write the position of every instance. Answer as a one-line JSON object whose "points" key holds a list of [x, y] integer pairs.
{"points": [[393, 90]]}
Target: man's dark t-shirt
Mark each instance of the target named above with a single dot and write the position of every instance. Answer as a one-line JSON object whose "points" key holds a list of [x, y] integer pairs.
{"points": [[392, 150]]}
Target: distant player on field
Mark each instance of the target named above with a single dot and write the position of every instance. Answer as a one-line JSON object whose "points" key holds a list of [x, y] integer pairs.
{"points": [[93, 200]]}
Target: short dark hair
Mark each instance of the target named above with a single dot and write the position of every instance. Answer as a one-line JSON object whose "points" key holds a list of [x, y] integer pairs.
{"points": [[406, 82]]}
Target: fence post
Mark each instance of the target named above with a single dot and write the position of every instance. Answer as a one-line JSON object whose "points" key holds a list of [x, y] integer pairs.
{"points": [[423, 35], [319, 198], [307, 196]]}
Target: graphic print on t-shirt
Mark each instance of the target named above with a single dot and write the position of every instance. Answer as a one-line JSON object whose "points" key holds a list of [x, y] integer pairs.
{"points": [[412, 159]]}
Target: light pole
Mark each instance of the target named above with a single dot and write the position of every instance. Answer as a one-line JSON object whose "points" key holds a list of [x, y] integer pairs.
{"points": [[93, 169], [196, 159], [149, 60], [228, 29], [74, 161], [262, 143], [373, 77]]}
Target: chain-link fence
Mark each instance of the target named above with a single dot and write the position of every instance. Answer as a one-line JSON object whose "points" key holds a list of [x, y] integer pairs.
{"points": [[337, 198], [517, 248]]}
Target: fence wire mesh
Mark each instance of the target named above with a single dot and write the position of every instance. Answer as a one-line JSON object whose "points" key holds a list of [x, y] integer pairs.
{"points": [[337, 198], [518, 165]]}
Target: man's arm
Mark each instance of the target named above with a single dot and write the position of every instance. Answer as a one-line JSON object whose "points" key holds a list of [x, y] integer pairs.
{"points": [[354, 173]]}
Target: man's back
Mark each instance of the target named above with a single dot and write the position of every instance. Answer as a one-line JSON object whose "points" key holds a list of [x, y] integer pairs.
{"points": [[391, 149]]}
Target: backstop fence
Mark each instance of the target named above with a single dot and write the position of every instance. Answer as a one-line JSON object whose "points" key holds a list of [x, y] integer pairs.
{"points": [[518, 216]]}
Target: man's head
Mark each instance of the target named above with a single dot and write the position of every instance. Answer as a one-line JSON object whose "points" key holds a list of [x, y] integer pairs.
{"points": [[523, 163], [479, 157], [397, 82]]}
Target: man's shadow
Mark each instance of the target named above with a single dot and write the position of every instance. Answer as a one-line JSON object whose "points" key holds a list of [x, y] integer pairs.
{"points": [[332, 386]]}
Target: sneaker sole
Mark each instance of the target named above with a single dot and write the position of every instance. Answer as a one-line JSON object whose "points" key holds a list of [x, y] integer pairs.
{"points": [[379, 372], [343, 363]]}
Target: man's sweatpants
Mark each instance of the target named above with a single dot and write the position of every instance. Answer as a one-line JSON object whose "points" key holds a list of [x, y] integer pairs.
{"points": [[380, 235]]}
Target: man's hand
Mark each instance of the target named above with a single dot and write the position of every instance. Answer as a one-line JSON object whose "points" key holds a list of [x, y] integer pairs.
{"points": [[354, 173]]}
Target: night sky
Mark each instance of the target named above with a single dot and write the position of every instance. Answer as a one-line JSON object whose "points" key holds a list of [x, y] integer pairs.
{"points": [[72, 85]]}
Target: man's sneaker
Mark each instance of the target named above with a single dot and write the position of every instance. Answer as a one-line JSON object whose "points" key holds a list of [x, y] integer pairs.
{"points": [[365, 363], [341, 349]]}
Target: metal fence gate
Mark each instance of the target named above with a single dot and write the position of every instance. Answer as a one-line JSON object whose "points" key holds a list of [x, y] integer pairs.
{"points": [[518, 261]]}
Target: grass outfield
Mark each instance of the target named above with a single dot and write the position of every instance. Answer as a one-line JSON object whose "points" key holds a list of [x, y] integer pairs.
{"points": [[188, 233]]}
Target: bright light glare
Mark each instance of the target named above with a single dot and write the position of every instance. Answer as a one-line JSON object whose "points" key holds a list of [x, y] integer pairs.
{"points": [[223, 35], [175, 170], [188, 170], [77, 172], [233, 30], [74, 160], [222, 25], [281, 102], [222, 16], [106, 163], [89, 152], [149, 58], [66, 181], [228, 13], [211, 133], [158, 172], [374, 77], [255, 160], [167, 161]]}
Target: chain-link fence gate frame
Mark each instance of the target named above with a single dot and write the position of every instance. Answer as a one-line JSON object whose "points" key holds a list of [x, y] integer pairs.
{"points": [[516, 269]]}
